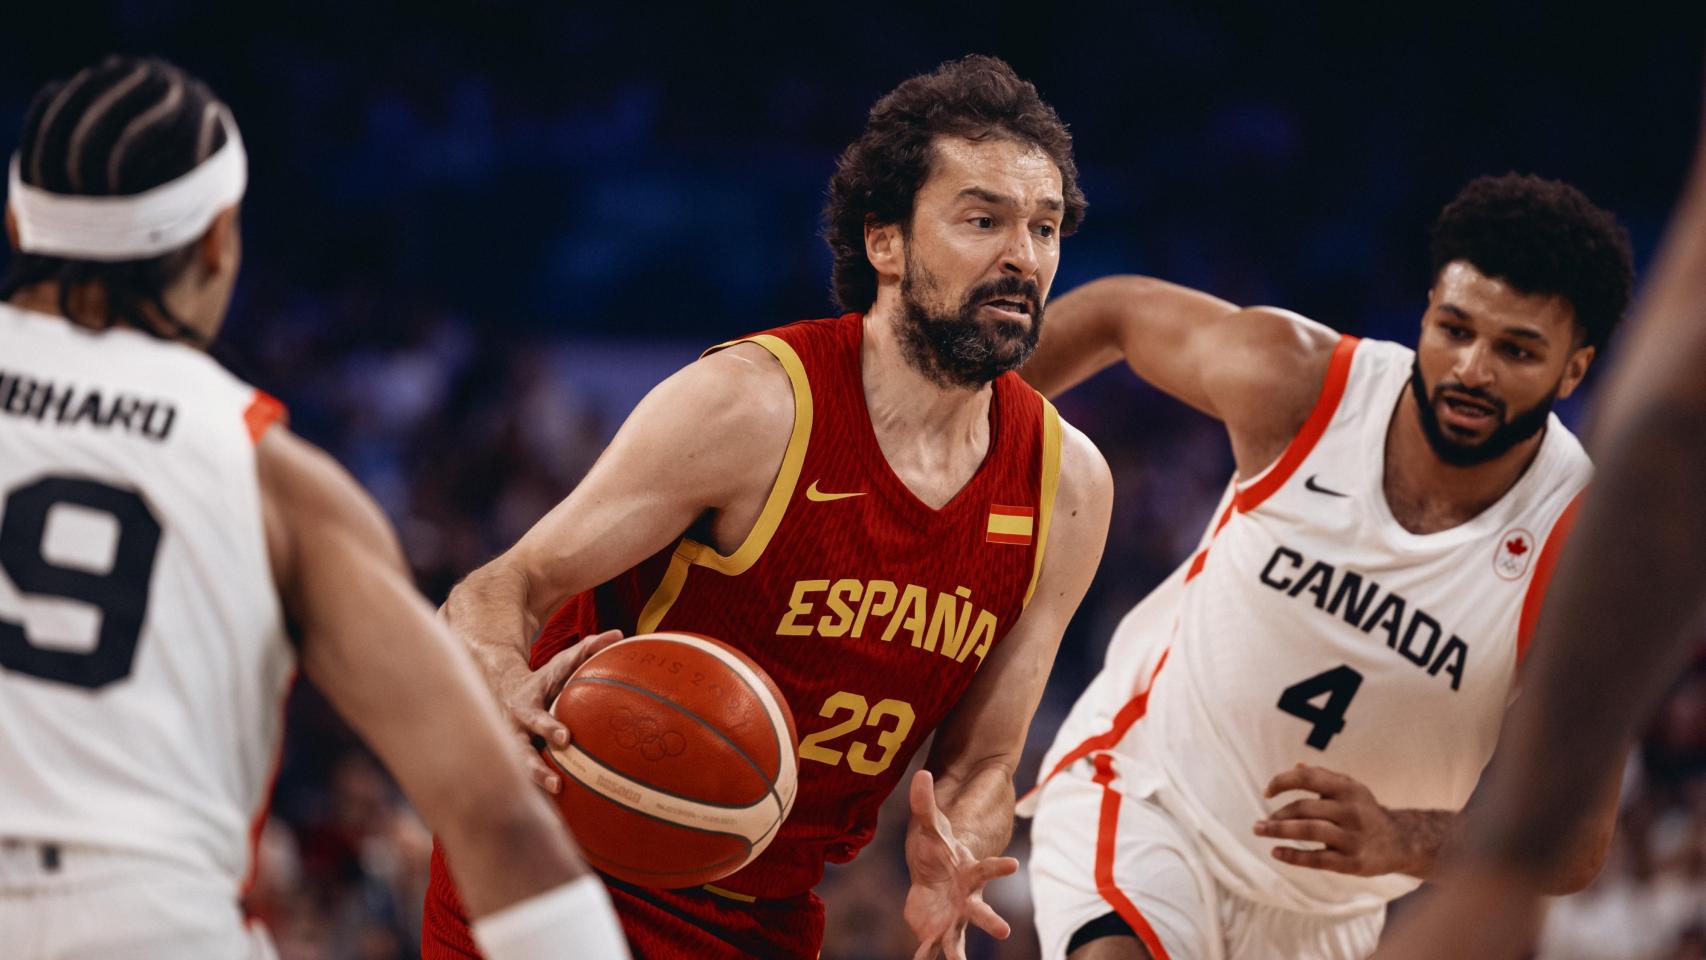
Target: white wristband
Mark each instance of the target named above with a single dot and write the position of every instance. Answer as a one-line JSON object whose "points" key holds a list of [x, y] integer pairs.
{"points": [[576, 917]]}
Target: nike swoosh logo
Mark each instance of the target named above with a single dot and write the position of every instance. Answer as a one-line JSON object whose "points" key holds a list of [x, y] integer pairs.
{"points": [[1310, 484], [813, 493]]}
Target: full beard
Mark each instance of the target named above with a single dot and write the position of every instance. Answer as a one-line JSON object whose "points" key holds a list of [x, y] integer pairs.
{"points": [[1505, 436], [957, 349]]}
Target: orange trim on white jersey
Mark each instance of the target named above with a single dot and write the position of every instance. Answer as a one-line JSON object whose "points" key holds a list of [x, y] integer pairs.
{"points": [[263, 411], [1268, 482], [1129, 714], [1536, 596], [1107, 831]]}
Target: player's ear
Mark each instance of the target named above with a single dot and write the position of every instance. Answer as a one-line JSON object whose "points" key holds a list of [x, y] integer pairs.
{"points": [[885, 247], [11, 228], [218, 247], [1575, 369]]}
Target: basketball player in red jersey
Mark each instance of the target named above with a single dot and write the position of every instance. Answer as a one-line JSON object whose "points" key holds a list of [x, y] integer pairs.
{"points": [[1615, 630], [872, 507]]}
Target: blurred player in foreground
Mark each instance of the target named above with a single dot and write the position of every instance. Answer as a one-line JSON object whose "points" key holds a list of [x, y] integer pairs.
{"points": [[1614, 632], [862, 506], [158, 531], [1285, 730]]}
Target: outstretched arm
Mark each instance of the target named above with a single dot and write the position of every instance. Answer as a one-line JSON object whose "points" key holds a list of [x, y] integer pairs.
{"points": [[1258, 369], [962, 802]]}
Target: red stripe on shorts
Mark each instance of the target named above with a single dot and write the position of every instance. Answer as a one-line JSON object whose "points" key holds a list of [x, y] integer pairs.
{"points": [[1106, 831]]}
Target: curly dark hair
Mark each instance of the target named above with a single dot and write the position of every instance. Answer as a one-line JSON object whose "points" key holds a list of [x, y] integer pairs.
{"points": [[121, 127], [878, 176], [1542, 237]]}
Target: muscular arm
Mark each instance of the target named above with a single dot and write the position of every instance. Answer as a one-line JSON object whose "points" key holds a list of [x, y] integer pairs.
{"points": [[702, 439], [372, 645], [978, 747], [1258, 369]]}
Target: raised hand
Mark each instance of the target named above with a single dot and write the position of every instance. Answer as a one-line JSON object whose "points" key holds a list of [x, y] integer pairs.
{"points": [[526, 696], [947, 880], [1359, 836]]}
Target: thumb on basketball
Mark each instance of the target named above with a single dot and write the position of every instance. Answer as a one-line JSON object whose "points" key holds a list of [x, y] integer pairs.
{"points": [[556, 672], [559, 668]]}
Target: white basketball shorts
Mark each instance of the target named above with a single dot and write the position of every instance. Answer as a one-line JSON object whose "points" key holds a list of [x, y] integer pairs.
{"points": [[1095, 851], [70, 902]]}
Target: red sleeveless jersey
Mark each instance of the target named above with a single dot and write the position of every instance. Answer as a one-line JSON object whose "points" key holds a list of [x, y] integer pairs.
{"points": [[870, 610]]}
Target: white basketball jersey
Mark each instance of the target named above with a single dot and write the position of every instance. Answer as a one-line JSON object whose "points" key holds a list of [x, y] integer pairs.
{"points": [[1311, 627], [143, 657]]}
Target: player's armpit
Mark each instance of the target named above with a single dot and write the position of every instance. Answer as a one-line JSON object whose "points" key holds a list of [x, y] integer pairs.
{"points": [[372, 645], [1261, 371]]}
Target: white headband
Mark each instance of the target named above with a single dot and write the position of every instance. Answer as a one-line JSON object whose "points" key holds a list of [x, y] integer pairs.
{"points": [[134, 227]]}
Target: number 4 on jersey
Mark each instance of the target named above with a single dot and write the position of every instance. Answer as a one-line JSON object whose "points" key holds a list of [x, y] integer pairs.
{"points": [[1338, 685]]}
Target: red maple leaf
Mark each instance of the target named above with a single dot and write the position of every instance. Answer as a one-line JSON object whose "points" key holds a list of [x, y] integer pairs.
{"points": [[1517, 546]]}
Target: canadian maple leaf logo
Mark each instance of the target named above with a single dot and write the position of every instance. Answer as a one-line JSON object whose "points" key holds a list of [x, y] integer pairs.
{"points": [[1517, 546]]}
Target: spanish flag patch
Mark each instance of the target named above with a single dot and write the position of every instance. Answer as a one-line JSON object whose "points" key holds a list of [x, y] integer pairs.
{"points": [[1011, 524]]}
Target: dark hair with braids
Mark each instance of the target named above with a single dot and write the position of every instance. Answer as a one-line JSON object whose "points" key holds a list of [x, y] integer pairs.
{"points": [[879, 175], [122, 127]]}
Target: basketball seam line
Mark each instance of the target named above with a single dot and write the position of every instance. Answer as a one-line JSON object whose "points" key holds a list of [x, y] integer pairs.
{"points": [[769, 786], [784, 751]]}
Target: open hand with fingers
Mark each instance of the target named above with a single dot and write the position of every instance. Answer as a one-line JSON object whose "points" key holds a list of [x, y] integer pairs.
{"points": [[947, 880], [1359, 836], [526, 697]]}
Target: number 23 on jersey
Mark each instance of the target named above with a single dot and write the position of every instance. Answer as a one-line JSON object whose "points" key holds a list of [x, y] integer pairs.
{"points": [[892, 720]]}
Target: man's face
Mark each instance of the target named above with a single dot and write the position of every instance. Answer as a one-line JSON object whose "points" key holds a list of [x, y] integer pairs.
{"points": [[1490, 363], [980, 255]]}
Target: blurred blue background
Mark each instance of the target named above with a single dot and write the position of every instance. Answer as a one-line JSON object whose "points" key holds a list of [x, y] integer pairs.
{"points": [[476, 234]]}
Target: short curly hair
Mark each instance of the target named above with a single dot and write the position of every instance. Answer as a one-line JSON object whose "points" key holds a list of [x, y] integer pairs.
{"points": [[1542, 237], [878, 176]]}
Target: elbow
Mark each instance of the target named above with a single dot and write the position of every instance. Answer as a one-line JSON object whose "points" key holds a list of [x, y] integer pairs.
{"points": [[1573, 880], [1579, 872]]}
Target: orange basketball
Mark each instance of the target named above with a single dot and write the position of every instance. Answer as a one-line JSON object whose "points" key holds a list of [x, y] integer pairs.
{"points": [[681, 759]]}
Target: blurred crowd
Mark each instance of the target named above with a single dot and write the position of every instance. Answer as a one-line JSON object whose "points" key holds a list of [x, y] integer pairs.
{"points": [[472, 242]]}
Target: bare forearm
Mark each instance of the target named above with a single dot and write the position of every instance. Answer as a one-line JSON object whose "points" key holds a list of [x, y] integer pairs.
{"points": [[1421, 835], [490, 612], [981, 808], [1425, 835], [507, 850]]}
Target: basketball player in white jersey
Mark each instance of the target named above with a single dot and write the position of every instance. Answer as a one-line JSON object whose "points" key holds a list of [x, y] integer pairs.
{"points": [[158, 531], [1284, 731], [1617, 627]]}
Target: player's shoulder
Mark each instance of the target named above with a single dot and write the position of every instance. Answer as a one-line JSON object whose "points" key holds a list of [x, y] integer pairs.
{"points": [[1086, 485], [740, 385]]}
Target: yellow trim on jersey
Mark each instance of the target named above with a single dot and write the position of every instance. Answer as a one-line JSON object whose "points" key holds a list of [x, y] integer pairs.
{"points": [[690, 552], [730, 894], [1051, 483], [668, 588]]}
